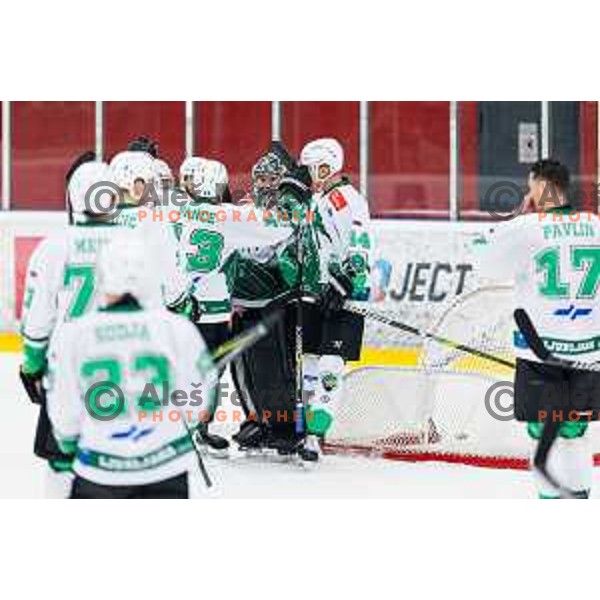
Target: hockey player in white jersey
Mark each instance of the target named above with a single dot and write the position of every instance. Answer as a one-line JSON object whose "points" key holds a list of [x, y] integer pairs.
{"points": [[61, 286], [163, 181], [552, 257], [210, 232], [144, 207], [134, 173], [126, 440], [346, 260]]}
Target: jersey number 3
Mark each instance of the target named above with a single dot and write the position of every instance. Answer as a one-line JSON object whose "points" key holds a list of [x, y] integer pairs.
{"points": [[209, 249]]}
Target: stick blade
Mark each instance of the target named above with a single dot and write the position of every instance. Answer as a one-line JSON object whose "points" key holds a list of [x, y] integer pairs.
{"points": [[530, 334]]}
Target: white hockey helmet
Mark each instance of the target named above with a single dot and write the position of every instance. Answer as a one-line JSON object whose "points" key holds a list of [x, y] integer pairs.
{"points": [[190, 165], [163, 176], [125, 268], [92, 190], [130, 167], [204, 178], [218, 172], [324, 157]]}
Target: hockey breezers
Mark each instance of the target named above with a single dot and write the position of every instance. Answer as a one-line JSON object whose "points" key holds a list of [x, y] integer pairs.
{"points": [[551, 427]]}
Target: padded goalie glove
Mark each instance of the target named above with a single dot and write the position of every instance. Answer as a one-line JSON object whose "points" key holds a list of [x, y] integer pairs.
{"points": [[297, 183]]}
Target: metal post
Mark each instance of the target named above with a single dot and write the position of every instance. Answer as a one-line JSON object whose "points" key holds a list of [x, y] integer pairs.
{"points": [[545, 126], [189, 128], [6, 155], [276, 120], [453, 175], [99, 128], [363, 153]]}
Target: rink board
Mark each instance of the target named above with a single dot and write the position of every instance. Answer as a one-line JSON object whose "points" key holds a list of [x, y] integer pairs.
{"points": [[420, 267]]}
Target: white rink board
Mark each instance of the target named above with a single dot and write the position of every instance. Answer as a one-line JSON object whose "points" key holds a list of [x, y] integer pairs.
{"points": [[429, 263]]}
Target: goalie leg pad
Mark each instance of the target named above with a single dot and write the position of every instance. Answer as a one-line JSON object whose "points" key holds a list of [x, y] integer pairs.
{"points": [[266, 374]]}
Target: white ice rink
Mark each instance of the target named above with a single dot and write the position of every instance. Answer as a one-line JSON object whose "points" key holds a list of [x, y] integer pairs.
{"points": [[22, 474]]}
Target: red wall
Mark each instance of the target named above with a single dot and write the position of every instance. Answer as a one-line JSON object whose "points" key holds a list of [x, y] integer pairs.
{"points": [[46, 138], [162, 121], [468, 156], [410, 157], [409, 146], [236, 133], [306, 121]]}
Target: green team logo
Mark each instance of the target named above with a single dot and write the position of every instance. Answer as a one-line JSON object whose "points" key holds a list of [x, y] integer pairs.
{"points": [[329, 381]]}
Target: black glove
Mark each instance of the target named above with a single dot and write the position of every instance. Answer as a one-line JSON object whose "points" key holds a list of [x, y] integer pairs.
{"points": [[297, 182], [33, 386], [188, 307], [336, 292]]}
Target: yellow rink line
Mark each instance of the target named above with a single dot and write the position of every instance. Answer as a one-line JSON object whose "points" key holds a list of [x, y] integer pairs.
{"points": [[387, 357], [12, 342]]}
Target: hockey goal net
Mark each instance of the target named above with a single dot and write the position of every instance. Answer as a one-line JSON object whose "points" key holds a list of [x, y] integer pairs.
{"points": [[437, 410]]}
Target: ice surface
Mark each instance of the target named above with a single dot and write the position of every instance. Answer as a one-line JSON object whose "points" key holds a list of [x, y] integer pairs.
{"points": [[241, 476]]}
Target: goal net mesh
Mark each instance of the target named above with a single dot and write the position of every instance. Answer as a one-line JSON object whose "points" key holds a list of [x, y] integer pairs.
{"points": [[436, 409]]}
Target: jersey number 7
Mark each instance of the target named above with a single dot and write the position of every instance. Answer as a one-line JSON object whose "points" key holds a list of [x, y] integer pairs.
{"points": [[80, 279]]}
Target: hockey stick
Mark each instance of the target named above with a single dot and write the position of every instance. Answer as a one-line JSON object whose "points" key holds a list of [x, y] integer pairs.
{"points": [[279, 149], [537, 346], [231, 349], [199, 459], [299, 338], [551, 427], [381, 318]]}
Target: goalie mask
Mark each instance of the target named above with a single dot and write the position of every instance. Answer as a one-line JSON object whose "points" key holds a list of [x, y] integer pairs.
{"points": [[324, 159], [266, 177]]}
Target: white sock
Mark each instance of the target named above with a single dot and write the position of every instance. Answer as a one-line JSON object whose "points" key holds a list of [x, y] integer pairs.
{"points": [[57, 485], [571, 463]]}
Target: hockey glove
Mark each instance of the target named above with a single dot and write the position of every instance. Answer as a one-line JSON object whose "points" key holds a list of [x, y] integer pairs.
{"points": [[188, 307], [33, 386], [337, 291], [297, 182]]}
